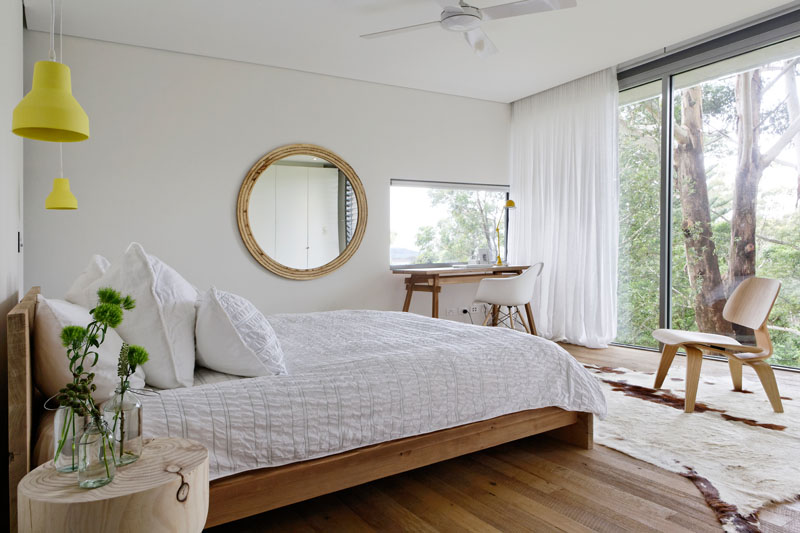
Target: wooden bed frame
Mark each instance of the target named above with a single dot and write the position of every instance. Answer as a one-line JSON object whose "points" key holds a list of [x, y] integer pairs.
{"points": [[256, 491]]}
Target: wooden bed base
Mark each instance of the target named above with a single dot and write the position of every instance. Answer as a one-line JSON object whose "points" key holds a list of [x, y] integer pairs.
{"points": [[256, 491]]}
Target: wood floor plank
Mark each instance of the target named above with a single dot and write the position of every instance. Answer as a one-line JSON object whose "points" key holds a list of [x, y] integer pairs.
{"points": [[382, 512], [434, 507], [587, 511], [619, 500], [501, 514], [627, 481]]}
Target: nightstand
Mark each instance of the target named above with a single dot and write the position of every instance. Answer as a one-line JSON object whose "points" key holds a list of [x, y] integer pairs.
{"points": [[165, 490]]}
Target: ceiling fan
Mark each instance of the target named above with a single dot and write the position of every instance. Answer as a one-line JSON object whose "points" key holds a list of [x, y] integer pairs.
{"points": [[466, 19]]}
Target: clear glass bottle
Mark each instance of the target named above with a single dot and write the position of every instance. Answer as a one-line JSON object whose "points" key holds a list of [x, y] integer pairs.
{"points": [[123, 415], [96, 465], [67, 430]]}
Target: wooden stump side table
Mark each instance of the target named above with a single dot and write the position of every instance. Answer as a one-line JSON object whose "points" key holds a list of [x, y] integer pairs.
{"points": [[148, 496]]}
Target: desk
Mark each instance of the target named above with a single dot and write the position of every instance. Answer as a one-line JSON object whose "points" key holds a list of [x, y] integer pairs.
{"points": [[431, 280]]}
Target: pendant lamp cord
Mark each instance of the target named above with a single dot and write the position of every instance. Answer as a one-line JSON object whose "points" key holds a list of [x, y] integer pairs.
{"points": [[61, 30], [52, 54], [53, 58]]}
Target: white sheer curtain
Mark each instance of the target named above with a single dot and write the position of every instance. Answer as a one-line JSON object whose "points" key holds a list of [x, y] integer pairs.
{"points": [[564, 182]]}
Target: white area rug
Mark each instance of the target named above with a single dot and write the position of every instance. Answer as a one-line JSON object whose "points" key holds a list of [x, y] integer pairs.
{"points": [[739, 453]]}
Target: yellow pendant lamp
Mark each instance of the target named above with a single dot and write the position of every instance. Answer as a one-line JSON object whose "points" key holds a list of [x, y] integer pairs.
{"points": [[61, 197], [49, 112]]}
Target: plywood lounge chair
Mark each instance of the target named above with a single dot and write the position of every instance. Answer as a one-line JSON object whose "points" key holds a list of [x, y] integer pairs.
{"points": [[749, 306]]}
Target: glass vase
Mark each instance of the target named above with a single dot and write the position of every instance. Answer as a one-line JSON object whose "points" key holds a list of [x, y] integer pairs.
{"points": [[68, 427], [96, 466], [123, 415]]}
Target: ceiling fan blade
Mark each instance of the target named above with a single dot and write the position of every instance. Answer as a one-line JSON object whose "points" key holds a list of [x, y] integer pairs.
{"points": [[480, 42], [400, 30], [525, 7]]}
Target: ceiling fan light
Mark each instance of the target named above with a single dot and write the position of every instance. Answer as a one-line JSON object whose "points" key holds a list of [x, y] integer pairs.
{"points": [[465, 19]]}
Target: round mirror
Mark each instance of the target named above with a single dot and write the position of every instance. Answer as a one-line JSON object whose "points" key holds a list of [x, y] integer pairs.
{"points": [[302, 211]]}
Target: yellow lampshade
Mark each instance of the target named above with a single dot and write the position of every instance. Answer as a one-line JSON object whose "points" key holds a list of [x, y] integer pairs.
{"points": [[49, 112], [510, 204], [61, 197]]}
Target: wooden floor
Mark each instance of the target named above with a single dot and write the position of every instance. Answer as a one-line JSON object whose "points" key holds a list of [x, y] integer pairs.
{"points": [[534, 484]]}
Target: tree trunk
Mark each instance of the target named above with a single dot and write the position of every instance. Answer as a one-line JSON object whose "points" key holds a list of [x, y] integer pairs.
{"points": [[742, 258], [690, 182]]}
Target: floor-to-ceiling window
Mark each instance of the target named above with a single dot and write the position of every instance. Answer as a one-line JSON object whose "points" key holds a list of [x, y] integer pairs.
{"points": [[733, 196], [639, 193]]}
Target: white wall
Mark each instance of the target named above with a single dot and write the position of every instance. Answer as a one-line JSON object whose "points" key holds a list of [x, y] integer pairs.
{"points": [[10, 188], [172, 137]]}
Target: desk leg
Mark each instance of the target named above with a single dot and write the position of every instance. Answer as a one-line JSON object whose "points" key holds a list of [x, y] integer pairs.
{"points": [[495, 314], [435, 298], [531, 323], [409, 293]]}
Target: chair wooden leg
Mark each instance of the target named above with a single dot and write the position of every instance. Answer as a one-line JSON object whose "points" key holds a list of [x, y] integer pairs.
{"points": [[486, 319], [522, 320], [495, 314], [694, 360], [736, 372], [531, 322], [767, 377], [667, 355]]}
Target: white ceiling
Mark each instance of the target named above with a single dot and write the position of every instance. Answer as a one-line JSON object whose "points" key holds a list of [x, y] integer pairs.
{"points": [[536, 51]]}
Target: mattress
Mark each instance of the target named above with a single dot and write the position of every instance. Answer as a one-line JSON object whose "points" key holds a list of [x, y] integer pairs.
{"points": [[358, 378]]}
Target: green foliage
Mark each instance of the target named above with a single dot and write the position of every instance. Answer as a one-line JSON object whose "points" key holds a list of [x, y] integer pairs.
{"points": [[130, 358], [473, 217]]}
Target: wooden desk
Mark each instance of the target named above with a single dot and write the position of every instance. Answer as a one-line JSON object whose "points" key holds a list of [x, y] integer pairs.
{"points": [[431, 279]]}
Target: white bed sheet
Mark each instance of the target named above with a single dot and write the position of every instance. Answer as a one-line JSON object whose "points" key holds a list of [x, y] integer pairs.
{"points": [[361, 377]]}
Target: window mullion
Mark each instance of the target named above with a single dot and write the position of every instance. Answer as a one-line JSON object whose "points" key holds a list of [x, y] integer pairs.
{"points": [[665, 277]]}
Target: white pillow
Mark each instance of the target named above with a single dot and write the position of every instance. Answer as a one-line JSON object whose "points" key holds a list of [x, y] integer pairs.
{"points": [[163, 320], [235, 338], [94, 270], [50, 364]]}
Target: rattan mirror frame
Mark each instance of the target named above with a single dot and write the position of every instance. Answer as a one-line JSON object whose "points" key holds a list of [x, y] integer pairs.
{"points": [[243, 203]]}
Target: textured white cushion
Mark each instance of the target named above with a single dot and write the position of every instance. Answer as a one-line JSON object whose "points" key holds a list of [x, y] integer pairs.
{"points": [[235, 338], [94, 270], [51, 367], [163, 320]]}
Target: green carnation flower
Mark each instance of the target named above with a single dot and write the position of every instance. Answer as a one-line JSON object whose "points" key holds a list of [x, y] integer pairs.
{"points": [[107, 295], [128, 303], [137, 356], [72, 335], [108, 314]]}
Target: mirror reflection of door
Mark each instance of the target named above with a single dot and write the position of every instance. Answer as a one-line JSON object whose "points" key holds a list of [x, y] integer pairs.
{"points": [[302, 211]]}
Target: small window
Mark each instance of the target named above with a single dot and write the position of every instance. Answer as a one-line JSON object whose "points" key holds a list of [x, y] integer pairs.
{"points": [[438, 223]]}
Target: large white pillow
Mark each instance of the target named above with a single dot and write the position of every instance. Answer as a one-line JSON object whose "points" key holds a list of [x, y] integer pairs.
{"points": [[50, 364], [235, 338], [163, 320], [94, 270]]}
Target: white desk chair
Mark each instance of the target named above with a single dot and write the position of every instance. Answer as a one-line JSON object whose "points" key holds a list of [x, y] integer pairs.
{"points": [[749, 306], [510, 292]]}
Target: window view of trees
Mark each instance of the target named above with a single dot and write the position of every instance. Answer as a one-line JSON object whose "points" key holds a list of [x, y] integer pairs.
{"points": [[736, 185], [639, 217], [434, 225]]}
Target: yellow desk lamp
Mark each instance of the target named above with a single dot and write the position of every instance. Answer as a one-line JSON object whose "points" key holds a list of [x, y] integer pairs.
{"points": [[509, 205]]}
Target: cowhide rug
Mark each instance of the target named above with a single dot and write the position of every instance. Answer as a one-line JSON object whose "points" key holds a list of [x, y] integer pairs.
{"points": [[737, 451]]}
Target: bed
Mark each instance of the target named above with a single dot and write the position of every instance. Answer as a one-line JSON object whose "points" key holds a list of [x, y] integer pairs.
{"points": [[369, 394]]}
